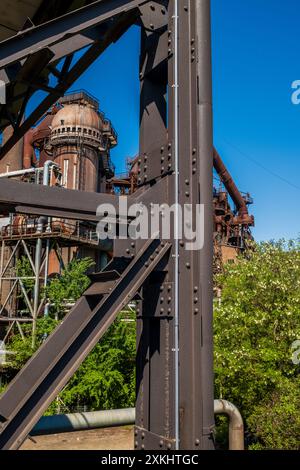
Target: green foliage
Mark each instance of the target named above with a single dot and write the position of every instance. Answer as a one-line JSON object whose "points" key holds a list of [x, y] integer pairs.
{"points": [[256, 323], [24, 269], [70, 285], [276, 421], [106, 379], [22, 346]]}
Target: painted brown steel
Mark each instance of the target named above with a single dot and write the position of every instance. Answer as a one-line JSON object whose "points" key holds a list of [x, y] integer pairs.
{"points": [[195, 187], [205, 162], [174, 371], [31, 392], [157, 411], [43, 36], [113, 32], [155, 421], [51, 201]]}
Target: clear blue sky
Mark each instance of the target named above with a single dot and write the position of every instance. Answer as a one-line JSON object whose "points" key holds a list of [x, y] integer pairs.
{"points": [[256, 57]]}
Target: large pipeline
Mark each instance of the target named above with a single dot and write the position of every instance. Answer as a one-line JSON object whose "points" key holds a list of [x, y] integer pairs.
{"points": [[84, 421], [230, 185], [35, 137], [125, 417]]}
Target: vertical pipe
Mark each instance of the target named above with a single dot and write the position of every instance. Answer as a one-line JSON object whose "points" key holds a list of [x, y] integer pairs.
{"points": [[37, 267], [1, 265], [205, 137], [48, 167], [46, 173], [236, 424], [47, 262], [28, 150]]}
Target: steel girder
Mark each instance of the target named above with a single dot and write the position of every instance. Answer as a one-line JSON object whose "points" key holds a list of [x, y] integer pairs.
{"points": [[19, 197], [49, 34], [174, 315], [31, 56], [174, 361], [112, 33], [39, 382]]}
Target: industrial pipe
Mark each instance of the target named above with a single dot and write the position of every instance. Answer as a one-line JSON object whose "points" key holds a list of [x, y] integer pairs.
{"points": [[46, 172], [28, 150], [84, 421], [236, 424], [110, 418], [48, 165], [37, 267], [11, 174], [33, 139], [230, 185]]}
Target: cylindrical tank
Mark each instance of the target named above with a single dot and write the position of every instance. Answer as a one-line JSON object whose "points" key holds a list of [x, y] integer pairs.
{"points": [[13, 160], [40, 137], [76, 139]]}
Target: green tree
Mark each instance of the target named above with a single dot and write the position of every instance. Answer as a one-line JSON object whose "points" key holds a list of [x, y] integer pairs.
{"points": [[69, 286], [106, 379], [256, 322], [22, 345], [24, 269], [275, 422]]}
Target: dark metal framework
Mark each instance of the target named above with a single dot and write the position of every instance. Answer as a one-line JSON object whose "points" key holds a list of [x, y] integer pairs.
{"points": [[171, 285]]}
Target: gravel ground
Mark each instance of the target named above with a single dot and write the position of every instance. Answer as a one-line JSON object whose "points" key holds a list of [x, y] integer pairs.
{"points": [[99, 439]]}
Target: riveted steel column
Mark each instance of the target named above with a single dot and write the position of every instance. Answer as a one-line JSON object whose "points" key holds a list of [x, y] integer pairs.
{"points": [[155, 320], [175, 373], [194, 139], [205, 158]]}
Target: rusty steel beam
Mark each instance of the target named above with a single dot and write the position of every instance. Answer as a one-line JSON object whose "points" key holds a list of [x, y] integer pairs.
{"points": [[49, 370], [34, 39], [196, 415], [113, 33], [230, 185], [51, 201]]}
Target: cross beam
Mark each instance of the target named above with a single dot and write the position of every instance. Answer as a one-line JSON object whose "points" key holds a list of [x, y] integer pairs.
{"points": [[53, 32]]}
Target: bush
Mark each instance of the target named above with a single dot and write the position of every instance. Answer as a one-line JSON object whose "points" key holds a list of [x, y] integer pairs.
{"points": [[106, 379], [256, 323], [275, 423]]}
